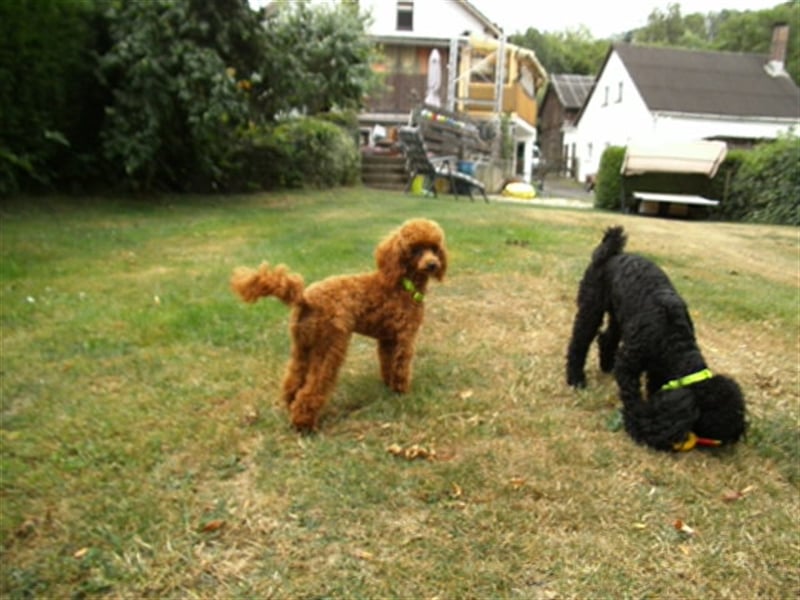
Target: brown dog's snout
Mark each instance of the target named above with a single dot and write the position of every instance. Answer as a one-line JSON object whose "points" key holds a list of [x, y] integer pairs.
{"points": [[432, 265]]}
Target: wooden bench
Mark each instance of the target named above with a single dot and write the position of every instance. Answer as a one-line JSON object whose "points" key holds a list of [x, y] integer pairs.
{"points": [[675, 205], [419, 162]]}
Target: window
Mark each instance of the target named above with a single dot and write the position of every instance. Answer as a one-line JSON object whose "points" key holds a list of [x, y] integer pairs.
{"points": [[605, 99], [619, 93], [483, 67], [405, 15]]}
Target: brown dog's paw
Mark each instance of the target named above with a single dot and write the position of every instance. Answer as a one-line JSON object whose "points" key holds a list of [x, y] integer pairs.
{"points": [[303, 421]]}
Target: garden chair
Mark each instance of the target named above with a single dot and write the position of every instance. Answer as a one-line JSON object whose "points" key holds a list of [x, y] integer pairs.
{"points": [[431, 168]]}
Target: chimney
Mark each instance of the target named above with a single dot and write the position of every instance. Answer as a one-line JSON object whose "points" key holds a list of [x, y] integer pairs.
{"points": [[777, 51]]}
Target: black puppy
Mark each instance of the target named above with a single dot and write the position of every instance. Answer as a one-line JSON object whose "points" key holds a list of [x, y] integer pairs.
{"points": [[685, 402]]}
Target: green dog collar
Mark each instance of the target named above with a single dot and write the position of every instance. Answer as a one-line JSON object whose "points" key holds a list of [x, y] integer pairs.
{"points": [[688, 380], [409, 286]]}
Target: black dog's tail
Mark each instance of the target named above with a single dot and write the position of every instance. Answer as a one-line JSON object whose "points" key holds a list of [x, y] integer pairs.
{"points": [[613, 243]]}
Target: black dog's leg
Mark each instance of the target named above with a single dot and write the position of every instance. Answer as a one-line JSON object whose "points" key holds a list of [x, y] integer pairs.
{"points": [[584, 329], [607, 342]]}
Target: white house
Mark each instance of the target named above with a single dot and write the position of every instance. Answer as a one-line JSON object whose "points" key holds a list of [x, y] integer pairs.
{"points": [[647, 94]]}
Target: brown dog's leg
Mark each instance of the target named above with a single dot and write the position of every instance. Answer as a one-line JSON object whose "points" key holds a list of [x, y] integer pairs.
{"points": [[296, 372], [324, 362], [395, 358]]}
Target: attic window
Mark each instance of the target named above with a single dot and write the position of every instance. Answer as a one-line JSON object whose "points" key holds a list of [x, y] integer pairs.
{"points": [[619, 93], [405, 15]]}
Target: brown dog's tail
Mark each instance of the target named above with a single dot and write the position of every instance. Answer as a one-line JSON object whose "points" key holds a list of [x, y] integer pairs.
{"points": [[251, 285]]}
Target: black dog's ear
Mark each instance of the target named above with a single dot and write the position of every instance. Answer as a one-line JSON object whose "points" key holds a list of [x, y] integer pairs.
{"points": [[665, 419], [723, 415]]}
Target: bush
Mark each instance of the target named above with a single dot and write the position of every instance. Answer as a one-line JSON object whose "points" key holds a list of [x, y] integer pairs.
{"points": [[766, 187], [730, 207], [305, 152], [177, 100], [608, 186], [50, 103]]}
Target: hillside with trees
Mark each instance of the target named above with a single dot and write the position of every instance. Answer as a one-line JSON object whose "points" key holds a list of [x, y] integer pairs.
{"points": [[575, 51]]}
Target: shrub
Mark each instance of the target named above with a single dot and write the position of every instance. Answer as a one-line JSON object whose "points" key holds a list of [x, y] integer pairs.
{"points": [[730, 207], [298, 153], [178, 98], [608, 186], [766, 187], [50, 103]]}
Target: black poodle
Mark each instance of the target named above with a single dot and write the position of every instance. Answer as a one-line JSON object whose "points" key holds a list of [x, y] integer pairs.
{"points": [[686, 404]]}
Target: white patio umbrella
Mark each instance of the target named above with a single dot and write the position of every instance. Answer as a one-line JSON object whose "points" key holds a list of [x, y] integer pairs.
{"points": [[434, 79]]}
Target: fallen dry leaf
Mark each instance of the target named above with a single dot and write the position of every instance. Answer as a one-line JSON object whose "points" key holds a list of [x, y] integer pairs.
{"points": [[412, 452], [80, 553], [250, 415], [734, 495], [683, 528], [214, 525], [27, 528], [516, 482], [363, 554], [466, 394]]}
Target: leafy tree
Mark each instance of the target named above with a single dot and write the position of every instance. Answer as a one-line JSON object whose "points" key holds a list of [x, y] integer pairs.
{"points": [[751, 31], [190, 76], [664, 28], [727, 30], [570, 51], [318, 59], [50, 105], [177, 99]]}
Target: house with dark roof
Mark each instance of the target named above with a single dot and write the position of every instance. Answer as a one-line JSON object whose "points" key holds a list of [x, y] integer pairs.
{"points": [[563, 100], [648, 94]]}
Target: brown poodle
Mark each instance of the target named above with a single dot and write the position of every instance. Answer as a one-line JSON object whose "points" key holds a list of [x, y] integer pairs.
{"points": [[387, 305]]}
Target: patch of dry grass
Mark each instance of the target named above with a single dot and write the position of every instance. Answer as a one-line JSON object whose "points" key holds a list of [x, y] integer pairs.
{"points": [[144, 453]]}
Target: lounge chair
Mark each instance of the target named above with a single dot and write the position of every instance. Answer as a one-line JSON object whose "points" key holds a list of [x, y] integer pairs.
{"points": [[431, 168]]}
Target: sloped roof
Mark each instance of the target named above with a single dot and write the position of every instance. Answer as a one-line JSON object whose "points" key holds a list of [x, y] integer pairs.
{"points": [[492, 28], [572, 90], [714, 83]]}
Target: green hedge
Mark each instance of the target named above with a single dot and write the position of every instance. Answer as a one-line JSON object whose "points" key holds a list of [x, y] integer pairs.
{"points": [[305, 152], [766, 186], [608, 186]]}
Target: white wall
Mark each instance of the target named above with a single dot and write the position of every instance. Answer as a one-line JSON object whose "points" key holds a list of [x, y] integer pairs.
{"points": [[672, 127], [442, 19], [609, 119]]}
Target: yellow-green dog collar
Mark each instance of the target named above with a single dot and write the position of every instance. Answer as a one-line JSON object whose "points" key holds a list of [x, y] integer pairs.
{"points": [[409, 286], [687, 380]]}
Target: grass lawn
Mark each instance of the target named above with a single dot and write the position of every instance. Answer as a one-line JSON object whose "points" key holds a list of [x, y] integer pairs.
{"points": [[145, 453]]}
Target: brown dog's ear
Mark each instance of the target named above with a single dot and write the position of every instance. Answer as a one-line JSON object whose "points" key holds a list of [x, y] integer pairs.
{"points": [[389, 257], [443, 260]]}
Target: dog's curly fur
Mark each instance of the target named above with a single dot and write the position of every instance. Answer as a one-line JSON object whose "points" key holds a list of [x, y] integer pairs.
{"points": [[382, 305], [649, 331]]}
